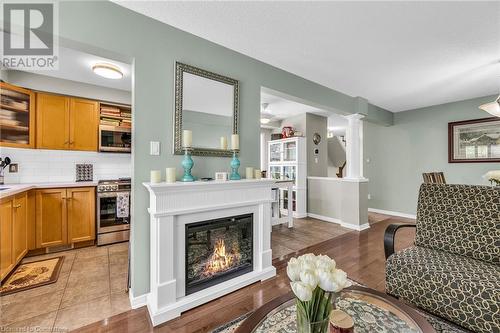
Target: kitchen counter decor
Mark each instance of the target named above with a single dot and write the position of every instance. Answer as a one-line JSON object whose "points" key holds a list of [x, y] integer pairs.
{"points": [[316, 283]]}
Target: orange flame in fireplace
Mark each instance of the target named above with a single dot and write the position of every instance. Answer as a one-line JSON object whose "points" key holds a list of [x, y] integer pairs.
{"points": [[220, 260]]}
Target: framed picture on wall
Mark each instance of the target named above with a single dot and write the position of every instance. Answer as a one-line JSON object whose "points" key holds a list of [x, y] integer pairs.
{"points": [[473, 141]]}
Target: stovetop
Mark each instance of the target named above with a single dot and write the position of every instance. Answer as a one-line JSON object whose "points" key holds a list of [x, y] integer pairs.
{"points": [[114, 185]]}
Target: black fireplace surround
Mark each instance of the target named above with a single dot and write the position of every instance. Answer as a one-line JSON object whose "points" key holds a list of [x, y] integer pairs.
{"points": [[218, 250]]}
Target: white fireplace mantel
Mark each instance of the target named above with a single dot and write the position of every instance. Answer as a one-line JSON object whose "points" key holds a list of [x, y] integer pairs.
{"points": [[171, 207]]}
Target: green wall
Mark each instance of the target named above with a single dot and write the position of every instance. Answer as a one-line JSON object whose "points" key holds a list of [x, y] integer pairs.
{"points": [[109, 30], [417, 143], [317, 124]]}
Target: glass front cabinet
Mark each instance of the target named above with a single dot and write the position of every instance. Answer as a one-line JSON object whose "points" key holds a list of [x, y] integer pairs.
{"points": [[287, 160], [17, 117]]}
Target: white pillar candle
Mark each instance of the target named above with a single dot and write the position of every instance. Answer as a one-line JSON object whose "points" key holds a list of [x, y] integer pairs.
{"points": [[170, 172], [249, 172], [155, 176], [257, 174], [187, 138], [223, 143], [235, 141]]}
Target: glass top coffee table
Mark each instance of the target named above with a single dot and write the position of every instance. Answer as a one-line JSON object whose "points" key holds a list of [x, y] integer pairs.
{"points": [[372, 311]]}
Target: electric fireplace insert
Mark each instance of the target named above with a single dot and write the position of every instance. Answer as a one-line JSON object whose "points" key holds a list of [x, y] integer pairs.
{"points": [[218, 250]]}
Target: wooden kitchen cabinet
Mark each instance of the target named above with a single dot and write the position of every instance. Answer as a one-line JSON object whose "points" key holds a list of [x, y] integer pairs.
{"points": [[20, 227], [31, 220], [51, 217], [13, 232], [81, 214], [65, 216], [6, 221], [17, 116], [84, 124], [52, 121], [66, 122]]}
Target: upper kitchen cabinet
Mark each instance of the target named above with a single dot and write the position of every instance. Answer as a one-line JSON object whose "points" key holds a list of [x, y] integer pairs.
{"points": [[52, 121], [66, 122], [17, 117], [83, 124]]}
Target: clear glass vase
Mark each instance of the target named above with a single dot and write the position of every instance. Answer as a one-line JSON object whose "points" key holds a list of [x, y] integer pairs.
{"points": [[304, 325]]}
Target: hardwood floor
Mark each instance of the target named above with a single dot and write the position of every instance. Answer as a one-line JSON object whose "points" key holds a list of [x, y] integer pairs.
{"points": [[305, 232], [360, 254]]}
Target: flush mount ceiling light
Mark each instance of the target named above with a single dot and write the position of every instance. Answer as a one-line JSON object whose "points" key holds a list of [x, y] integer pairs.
{"points": [[492, 108], [107, 70]]}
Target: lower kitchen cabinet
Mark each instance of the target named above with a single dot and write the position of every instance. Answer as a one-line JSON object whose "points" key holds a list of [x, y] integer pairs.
{"points": [[51, 217], [20, 227], [44, 218], [81, 214], [13, 232], [65, 216], [6, 221]]}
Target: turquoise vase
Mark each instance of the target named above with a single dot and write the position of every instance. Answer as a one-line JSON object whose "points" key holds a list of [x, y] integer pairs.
{"points": [[187, 164], [235, 164]]}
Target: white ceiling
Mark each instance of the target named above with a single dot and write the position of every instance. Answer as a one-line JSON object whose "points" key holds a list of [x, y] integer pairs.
{"points": [[77, 66], [398, 55]]}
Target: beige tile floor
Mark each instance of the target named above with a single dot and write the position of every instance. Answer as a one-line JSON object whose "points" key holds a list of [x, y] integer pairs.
{"points": [[91, 287]]}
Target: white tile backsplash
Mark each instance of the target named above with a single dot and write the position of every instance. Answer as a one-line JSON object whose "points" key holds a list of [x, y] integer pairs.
{"points": [[40, 165]]}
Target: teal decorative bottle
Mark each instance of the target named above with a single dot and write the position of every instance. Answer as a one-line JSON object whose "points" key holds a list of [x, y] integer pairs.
{"points": [[187, 164], [235, 164]]}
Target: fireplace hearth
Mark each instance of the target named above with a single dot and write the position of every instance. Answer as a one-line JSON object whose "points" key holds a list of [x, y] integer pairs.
{"points": [[218, 250]]}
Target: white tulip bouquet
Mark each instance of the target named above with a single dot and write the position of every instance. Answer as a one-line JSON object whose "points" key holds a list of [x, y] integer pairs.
{"points": [[493, 176], [316, 282]]}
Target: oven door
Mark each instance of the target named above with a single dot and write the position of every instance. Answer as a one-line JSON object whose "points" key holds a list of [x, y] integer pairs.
{"points": [[106, 210]]}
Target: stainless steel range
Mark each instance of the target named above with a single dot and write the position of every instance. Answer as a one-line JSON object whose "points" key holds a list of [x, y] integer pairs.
{"points": [[113, 211]]}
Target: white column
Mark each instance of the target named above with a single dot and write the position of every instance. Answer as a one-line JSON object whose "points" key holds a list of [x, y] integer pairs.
{"points": [[354, 146]]}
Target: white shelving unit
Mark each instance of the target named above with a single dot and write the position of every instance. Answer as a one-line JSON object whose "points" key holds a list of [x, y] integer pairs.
{"points": [[287, 160]]}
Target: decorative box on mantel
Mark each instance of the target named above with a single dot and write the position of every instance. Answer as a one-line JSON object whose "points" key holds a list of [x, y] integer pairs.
{"points": [[207, 239]]}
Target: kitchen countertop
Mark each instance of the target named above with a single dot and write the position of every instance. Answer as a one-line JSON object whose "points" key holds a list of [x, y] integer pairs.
{"points": [[11, 189]]}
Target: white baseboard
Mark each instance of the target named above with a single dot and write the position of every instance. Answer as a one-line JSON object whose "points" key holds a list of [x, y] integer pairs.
{"points": [[137, 302], [390, 212], [338, 221]]}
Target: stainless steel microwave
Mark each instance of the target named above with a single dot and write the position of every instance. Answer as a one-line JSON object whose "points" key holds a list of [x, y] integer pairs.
{"points": [[115, 139]]}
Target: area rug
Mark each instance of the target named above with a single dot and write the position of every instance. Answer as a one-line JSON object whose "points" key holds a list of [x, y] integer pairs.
{"points": [[365, 316], [31, 275]]}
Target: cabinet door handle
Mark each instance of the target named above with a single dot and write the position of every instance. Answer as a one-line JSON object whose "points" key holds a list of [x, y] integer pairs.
{"points": [[66, 142], [17, 206], [71, 142], [68, 198]]}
